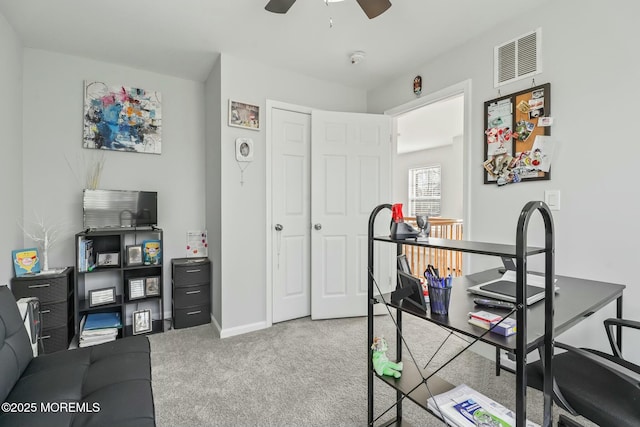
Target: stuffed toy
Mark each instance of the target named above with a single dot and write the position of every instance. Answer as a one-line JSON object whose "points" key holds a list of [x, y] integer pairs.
{"points": [[381, 364]]}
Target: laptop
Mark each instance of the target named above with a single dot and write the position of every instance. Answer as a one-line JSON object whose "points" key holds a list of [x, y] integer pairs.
{"points": [[504, 288]]}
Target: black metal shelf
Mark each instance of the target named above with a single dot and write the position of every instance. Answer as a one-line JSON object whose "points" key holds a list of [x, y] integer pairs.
{"points": [[412, 385], [482, 248], [456, 321]]}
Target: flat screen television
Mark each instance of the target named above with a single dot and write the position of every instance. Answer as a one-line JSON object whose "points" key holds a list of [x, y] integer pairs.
{"points": [[119, 208]]}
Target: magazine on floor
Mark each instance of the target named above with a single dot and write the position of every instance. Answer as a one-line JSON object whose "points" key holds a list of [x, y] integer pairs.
{"points": [[463, 405]]}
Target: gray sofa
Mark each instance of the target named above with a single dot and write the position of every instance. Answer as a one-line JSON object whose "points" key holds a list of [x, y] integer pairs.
{"points": [[104, 385]]}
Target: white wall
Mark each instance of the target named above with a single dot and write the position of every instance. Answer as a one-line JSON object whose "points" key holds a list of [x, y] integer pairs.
{"points": [[53, 111], [10, 147], [243, 238], [449, 157], [587, 62]]}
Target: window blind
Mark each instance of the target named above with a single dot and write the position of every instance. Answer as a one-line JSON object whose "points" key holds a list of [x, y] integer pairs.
{"points": [[425, 191]]}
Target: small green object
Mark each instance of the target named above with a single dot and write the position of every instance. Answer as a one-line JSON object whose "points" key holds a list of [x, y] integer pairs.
{"points": [[381, 364]]}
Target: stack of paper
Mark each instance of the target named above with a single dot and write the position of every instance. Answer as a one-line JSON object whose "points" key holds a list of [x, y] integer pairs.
{"points": [[98, 328], [462, 405]]}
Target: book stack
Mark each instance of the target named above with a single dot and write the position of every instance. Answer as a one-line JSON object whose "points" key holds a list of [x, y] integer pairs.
{"points": [[98, 328], [86, 257], [466, 407], [497, 324], [483, 319]]}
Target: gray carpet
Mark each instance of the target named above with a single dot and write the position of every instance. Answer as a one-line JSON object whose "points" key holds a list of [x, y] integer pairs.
{"points": [[302, 373]]}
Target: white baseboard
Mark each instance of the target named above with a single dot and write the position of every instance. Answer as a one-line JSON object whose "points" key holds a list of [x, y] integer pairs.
{"points": [[239, 330], [216, 325]]}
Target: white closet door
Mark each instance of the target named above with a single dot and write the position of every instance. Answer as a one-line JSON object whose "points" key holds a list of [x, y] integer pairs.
{"points": [[291, 212], [350, 175]]}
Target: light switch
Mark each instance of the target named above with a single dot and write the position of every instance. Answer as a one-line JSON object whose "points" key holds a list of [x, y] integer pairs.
{"points": [[552, 199]]}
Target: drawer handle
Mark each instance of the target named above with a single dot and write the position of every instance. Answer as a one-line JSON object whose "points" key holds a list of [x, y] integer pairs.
{"points": [[44, 285], [45, 311], [193, 271], [191, 313], [192, 292], [46, 337]]}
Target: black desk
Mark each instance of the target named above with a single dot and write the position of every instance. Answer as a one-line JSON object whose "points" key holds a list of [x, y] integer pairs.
{"points": [[576, 300]]}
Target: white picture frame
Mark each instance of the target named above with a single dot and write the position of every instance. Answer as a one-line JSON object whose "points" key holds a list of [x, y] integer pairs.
{"points": [[244, 149], [141, 322], [108, 259], [243, 115], [136, 288]]}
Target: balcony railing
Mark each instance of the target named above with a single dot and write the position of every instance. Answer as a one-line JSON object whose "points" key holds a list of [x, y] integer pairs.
{"points": [[444, 260]]}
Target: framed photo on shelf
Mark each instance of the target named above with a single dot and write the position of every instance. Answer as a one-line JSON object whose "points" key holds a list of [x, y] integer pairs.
{"points": [[136, 288], [141, 321], [244, 115], [108, 259], [102, 296], [152, 286], [134, 255], [152, 252]]}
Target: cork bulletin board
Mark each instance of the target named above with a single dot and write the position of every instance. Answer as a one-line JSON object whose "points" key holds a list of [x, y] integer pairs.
{"points": [[517, 143]]}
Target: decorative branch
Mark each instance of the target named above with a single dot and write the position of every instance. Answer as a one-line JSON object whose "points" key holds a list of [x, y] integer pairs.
{"points": [[45, 236], [90, 168]]}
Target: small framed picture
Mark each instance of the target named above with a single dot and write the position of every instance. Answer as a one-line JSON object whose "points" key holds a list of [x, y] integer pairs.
{"points": [[136, 288], [102, 296], [108, 259], [141, 321], [134, 255], [244, 149], [244, 115], [152, 286]]}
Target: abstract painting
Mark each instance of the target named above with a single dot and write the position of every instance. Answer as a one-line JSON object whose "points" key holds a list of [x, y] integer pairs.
{"points": [[122, 118]]}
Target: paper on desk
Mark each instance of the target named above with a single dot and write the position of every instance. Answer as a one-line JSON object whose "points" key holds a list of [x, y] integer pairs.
{"points": [[532, 279], [444, 405]]}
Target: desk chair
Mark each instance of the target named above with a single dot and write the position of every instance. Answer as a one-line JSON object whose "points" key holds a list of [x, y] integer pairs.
{"points": [[601, 387]]}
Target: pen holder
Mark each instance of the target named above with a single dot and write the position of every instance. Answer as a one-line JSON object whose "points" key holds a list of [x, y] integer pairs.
{"points": [[439, 298]]}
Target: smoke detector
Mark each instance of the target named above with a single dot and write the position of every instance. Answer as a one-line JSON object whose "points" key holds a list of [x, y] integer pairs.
{"points": [[357, 57]]}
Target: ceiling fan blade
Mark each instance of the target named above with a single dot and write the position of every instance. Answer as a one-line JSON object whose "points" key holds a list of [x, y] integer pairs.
{"points": [[373, 8], [279, 6]]}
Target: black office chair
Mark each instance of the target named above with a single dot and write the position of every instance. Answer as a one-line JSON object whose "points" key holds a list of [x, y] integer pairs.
{"points": [[601, 387]]}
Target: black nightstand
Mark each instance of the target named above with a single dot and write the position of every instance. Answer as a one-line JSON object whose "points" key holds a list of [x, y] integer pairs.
{"points": [[191, 299], [55, 292]]}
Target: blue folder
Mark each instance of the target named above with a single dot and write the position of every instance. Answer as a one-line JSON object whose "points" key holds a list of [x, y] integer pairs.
{"points": [[103, 320]]}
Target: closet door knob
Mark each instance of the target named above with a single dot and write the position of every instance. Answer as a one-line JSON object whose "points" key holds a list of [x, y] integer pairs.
{"points": [[318, 226]]}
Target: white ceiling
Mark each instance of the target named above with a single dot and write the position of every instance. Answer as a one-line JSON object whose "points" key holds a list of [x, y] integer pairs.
{"points": [[431, 126], [184, 37]]}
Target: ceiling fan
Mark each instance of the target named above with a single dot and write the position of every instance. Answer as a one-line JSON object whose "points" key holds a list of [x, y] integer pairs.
{"points": [[371, 8]]}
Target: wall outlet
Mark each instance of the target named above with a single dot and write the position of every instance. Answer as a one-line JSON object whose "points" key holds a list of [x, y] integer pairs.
{"points": [[552, 199]]}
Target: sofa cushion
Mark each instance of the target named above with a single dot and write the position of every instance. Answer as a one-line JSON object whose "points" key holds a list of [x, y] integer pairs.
{"points": [[116, 376], [15, 348]]}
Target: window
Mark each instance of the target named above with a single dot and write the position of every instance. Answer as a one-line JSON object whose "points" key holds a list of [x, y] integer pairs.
{"points": [[424, 191]]}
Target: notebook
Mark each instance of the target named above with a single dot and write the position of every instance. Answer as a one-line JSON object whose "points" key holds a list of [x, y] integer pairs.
{"points": [[504, 289]]}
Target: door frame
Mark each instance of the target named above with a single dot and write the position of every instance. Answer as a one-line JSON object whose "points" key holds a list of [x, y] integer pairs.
{"points": [[463, 88], [271, 104]]}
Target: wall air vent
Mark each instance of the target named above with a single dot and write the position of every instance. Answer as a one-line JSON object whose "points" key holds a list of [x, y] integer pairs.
{"points": [[518, 58]]}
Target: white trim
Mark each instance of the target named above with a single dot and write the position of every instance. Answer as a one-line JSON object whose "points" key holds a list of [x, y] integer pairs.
{"points": [[216, 325], [271, 104], [239, 330], [464, 88]]}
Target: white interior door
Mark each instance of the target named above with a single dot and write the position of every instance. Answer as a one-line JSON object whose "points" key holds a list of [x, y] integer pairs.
{"points": [[291, 214], [350, 175]]}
